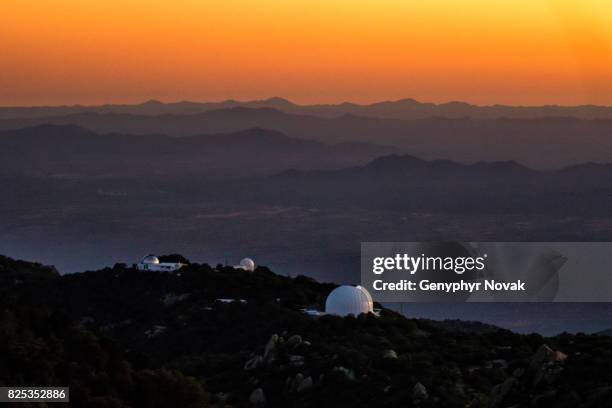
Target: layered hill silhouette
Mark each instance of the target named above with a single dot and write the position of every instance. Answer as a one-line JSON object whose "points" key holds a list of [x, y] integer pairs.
{"points": [[543, 142], [73, 152], [118, 337], [397, 109], [406, 183], [355, 175]]}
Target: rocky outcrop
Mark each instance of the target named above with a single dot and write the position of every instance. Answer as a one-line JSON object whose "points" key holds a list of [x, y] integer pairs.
{"points": [[543, 369], [546, 355], [546, 364], [500, 391]]}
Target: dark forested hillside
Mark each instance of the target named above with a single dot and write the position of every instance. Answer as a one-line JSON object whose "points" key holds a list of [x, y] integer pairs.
{"points": [[207, 336]]}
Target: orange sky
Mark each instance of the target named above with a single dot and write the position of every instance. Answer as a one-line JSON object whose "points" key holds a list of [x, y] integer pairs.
{"points": [[480, 51]]}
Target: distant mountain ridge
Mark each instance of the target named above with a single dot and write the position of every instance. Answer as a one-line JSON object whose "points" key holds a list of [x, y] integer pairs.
{"points": [[391, 166], [253, 151], [69, 150], [396, 109], [406, 183], [542, 143]]}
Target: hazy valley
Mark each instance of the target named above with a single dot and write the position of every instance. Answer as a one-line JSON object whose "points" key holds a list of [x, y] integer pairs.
{"points": [[297, 191]]}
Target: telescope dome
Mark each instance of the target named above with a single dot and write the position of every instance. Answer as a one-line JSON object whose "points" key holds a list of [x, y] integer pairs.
{"points": [[247, 264], [349, 300], [150, 259]]}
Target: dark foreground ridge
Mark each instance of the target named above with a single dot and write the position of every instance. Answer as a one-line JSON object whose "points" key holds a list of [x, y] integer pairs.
{"points": [[122, 338]]}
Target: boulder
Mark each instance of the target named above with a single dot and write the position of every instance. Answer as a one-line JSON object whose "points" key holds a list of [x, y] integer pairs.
{"points": [[348, 373], [222, 397], [546, 364], [257, 397], [254, 363], [271, 346], [299, 383], [296, 361], [305, 384], [498, 363], [546, 355], [270, 349], [294, 341], [499, 392], [419, 392], [293, 383], [559, 357], [389, 354]]}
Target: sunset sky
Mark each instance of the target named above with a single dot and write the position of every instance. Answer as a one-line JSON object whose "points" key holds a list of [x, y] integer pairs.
{"points": [[480, 51]]}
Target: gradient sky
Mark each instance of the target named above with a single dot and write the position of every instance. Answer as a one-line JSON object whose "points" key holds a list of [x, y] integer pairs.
{"points": [[480, 51]]}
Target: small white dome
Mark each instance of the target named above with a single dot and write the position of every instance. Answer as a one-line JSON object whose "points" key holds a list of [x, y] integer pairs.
{"points": [[248, 264], [150, 259], [349, 300]]}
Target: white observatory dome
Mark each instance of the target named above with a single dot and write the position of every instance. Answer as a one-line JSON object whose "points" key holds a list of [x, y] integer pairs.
{"points": [[247, 264], [367, 295], [347, 300], [150, 259]]}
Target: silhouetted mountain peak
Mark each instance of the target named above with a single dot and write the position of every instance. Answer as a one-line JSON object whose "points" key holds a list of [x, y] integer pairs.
{"points": [[406, 108], [276, 101], [396, 167], [153, 102], [408, 101]]}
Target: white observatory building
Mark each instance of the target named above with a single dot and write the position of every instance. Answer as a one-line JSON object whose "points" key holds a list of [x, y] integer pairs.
{"points": [[246, 264], [349, 300], [151, 263]]}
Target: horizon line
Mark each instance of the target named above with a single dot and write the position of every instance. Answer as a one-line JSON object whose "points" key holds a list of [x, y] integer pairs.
{"points": [[290, 102]]}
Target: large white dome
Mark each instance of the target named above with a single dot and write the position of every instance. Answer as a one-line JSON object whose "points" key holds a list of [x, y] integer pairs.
{"points": [[347, 300], [150, 259], [248, 264]]}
